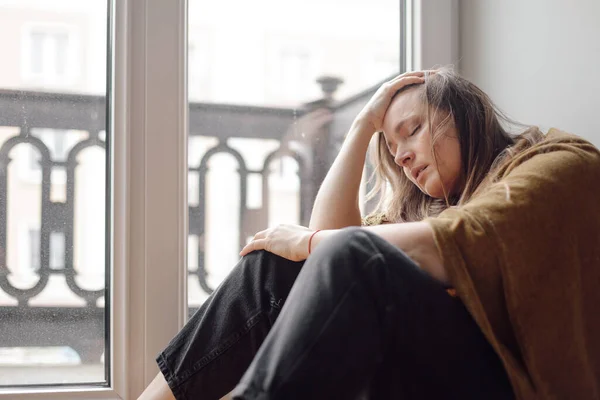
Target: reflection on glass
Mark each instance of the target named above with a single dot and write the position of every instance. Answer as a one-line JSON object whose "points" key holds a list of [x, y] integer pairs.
{"points": [[52, 192], [273, 88]]}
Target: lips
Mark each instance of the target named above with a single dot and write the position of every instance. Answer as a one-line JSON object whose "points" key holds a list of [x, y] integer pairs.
{"points": [[416, 171]]}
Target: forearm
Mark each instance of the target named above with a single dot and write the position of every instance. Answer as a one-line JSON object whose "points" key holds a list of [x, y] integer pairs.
{"points": [[417, 241], [336, 205], [413, 238]]}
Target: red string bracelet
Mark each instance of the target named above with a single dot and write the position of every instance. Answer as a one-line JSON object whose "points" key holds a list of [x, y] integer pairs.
{"points": [[311, 237]]}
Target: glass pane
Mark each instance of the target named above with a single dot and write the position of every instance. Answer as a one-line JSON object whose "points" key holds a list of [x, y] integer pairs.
{"points": [[53, 270], [273, 87]]}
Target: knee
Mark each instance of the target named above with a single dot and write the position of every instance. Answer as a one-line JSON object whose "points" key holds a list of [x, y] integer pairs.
{"points": [[349, 250], [262, 262], [259, 259], [256, 257]]}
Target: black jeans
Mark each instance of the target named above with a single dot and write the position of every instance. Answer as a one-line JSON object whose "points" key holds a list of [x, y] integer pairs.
{"points": [[358, 319]]}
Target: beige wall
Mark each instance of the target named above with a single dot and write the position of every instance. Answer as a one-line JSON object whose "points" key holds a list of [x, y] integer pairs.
{"points": [[538, 59]]}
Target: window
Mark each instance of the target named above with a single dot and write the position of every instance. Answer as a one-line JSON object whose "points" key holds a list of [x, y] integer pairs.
{"points": [[380, 63], [34, 249], [201, 56], [145, 204], [57, 250], [258, 161], [294, 73], [50, 55], [58, 142], [54, 276]]}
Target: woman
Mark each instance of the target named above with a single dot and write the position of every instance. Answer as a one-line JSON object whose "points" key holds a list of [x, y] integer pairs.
{"points": [[512, 223]]}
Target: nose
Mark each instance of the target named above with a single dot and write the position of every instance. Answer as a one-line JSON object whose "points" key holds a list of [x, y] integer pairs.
{"points": [[403, 157]]}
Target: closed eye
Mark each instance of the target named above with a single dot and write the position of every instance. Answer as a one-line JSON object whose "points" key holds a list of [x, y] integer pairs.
{"points": [[416, 130]]}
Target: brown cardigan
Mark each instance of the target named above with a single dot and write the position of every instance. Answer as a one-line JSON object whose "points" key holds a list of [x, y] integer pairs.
{"points": [[524, 257]]}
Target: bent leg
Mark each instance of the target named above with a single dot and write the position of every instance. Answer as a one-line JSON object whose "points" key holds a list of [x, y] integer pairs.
{"points": [[158, 389], [361, 310], [211, 352]]}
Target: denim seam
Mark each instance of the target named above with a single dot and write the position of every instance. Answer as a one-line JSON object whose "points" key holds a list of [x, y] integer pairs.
{"points": [[226, 345], [163, 366], [378, 256]]}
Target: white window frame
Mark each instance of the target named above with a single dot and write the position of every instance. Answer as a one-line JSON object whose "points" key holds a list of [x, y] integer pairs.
{"points": [[149, 205], [432, 35], [149, 179]]}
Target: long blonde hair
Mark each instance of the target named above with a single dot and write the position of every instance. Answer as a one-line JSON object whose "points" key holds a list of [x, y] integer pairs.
{"points": [[485, 145]]}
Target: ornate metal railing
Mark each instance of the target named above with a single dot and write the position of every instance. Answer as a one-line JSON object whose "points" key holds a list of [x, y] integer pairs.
{"points": [[83, 327]]}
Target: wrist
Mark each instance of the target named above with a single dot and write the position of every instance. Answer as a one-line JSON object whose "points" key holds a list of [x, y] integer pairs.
{"points": [[363, 126], [318, 236], [311, 244]]}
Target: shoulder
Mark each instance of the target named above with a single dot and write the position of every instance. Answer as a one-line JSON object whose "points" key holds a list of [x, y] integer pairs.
{"points": [[559, 153], [560, 169]]}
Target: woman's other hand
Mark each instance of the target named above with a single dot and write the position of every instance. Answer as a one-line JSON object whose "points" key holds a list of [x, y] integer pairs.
{"points": [[287, 241], [371, 116]]}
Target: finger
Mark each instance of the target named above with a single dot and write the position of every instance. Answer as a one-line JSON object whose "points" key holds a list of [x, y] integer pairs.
{"points": [[404, 78], [247, 249], [254, 245], [261, 234], [425, 73], [408, 75], [250, 247], [408, 80], [412, 73]]}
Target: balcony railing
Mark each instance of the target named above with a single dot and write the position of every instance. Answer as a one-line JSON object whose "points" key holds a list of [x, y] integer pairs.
{"points": [[82, 326]]}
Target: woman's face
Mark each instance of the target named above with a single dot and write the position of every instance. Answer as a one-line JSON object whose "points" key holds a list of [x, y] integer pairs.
{"points": [[406, 131]]}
